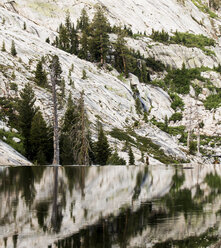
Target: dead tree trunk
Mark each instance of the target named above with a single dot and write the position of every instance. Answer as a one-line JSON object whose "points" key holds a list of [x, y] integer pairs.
{"points": [[56, 159]]}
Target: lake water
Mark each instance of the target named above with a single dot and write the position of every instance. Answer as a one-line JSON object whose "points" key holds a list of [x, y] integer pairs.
{"points": [[112, 206]]}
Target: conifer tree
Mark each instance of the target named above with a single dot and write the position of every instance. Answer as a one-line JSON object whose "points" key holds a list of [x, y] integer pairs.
{"points": [[99, 42], [67, 141], [121, 53], [81, 131], [83, 53], [40, 75], [68, 24], [3, 47], [26, 112], [63, 39], [13, 50], [24, 26], [83, 21], [39, 139], [102, 147], [74, 43], [131, 157], [75, 137], [114, 159]]}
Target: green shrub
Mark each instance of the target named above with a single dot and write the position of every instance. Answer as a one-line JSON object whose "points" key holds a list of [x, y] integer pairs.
{"points": [[179, 80], [185, 39], [176, 117], [193, 147], [213, 101], [177, 102], [143, 144]]}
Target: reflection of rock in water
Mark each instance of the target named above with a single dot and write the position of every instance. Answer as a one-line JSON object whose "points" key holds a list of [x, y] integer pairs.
{"points": [[107, 205]]}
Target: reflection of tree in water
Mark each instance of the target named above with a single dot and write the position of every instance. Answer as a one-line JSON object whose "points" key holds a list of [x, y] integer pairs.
{"points": [[56, 217], [19, 181], [140, 180], [15, 239], [76, 177], [114, 229], [42, 213]]}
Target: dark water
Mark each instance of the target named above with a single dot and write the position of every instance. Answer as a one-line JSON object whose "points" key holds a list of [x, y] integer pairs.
{"points": [[155, 206]]}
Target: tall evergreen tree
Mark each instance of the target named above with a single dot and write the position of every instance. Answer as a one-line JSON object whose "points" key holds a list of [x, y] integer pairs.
{"points": [[74, 43], [67, 140], [114, 159], [40, 75], [64, 42], [83, 21], [83, 53], [39, 139], [102, 148], [26, 112], [81, 131], [121, 54], [13, 50], [3, 46], [131, 157], [99, 42]]}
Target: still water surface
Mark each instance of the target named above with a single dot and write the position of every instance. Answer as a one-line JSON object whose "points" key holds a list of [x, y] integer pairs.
{"points": [[112, 206]]}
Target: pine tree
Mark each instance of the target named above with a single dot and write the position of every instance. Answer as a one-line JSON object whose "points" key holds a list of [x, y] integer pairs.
{"points": [[63, 39], [83, 53], [75, 137], [102, 147], [39, 139], [13, 50], [99, 42], [81, 131], [55, 64], [83, 22], [114, 159], [121, 54], [26, 112], [84, 74], [24, 26], [68, 24], [131, 157], [40, 75], [67, 141], [74, 43], [3, 47]]}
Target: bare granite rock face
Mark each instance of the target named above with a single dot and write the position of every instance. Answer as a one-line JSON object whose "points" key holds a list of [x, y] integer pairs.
{"points": [[107, 96], [9, 156]]}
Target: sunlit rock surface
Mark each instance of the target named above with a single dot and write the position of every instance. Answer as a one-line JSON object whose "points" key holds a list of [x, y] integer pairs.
{"points": [[106, 96], [9, 156]]}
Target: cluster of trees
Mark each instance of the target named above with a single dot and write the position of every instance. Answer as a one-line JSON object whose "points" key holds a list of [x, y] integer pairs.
{"points": [[90, 41], [38, 138], [76, 143]]}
